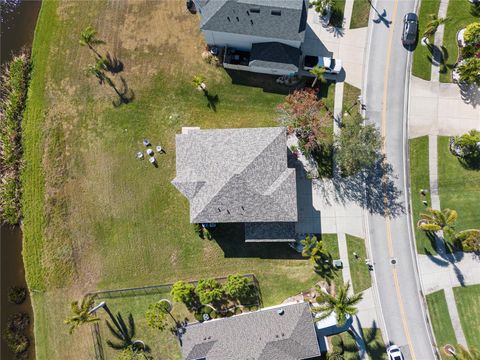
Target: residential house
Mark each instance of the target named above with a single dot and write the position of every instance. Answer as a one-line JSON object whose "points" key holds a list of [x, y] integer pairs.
{"points": [[285, 332], [255, 35], [239, 176]]}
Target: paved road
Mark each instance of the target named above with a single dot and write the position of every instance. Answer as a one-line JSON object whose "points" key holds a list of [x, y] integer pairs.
{"points": [[398, 286]]}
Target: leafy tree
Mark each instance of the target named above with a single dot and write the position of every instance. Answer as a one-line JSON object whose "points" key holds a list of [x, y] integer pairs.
{"points": [[342, 304], [134, 354], [358, 145], [469, 70], [80, 315], [433, 23], [156, 315], [319, 73], [88, 37], [470, 239], [237, 287], [472, 33], [436, 220], [185, 293], [124, 334], [462, 353], [209, 291]]}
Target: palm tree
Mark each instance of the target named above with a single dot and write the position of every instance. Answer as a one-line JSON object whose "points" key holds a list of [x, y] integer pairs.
{"points": [[98, 70], [437, 220], [198, 82], [314, 249], [433, 24], [80, 313], [470, 239], [318, 72], [342, 304], [88, 37], [468, 70], [124, 334], [464, 354]]}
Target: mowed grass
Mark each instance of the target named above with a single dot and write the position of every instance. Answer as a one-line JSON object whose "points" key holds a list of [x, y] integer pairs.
{"points": [[96, 217], [350, 99], [460, 16], [440, 318], [360, 14], [422, 65], [361, 279], [467, 299], [419, 179], [458, 187]]}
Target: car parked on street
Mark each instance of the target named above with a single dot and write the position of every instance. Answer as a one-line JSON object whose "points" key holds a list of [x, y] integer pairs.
{"points": [[394, 353], [410, 29]]}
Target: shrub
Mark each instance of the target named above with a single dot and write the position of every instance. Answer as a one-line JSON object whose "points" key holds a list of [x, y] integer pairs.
{"points": [[18, 322], [17, 294], [472, 33], [198, 317], [469, 70], [13, 93], [185, 293], [469, 51], [209, 291], [198, 229], [237, 287], [466, 147], [16, 342]]}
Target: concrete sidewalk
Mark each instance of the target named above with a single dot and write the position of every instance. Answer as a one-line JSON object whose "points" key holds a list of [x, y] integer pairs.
{"points": [[442, 109]]}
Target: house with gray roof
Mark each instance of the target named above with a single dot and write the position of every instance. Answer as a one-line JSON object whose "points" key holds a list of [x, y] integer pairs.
{"points": [[284, 332], [255, 35], [239, 176]]}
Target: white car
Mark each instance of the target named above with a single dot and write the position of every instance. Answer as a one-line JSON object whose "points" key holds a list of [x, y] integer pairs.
{"points": [[333, 66], [394, 353]]}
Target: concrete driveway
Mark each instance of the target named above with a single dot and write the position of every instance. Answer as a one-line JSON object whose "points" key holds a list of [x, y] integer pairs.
{"points": [[442, 109]]}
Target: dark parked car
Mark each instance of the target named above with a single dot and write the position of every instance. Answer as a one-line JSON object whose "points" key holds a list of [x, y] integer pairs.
{"points": [[410, 29]]}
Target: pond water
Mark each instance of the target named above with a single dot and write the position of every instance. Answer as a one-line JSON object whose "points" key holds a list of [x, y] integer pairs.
{"points": [[17, 25]]}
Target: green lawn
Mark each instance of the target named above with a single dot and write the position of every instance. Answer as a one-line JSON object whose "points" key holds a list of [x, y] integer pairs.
{"points": [[97, 218], [441, 323], [458, 187], [374, 342], [422, 66], [460, 16], [350, 98], [344, 343], [331, 245], [467, 299], [361, 279], [360, 13], [419, 179]]}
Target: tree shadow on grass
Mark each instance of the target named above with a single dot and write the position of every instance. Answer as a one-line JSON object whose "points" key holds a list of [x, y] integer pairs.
{"points": [[125, 94], [212, 100]]}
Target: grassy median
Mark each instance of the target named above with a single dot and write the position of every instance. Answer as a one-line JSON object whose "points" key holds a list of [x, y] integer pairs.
{"points": [[467, 299], [361, 279]]}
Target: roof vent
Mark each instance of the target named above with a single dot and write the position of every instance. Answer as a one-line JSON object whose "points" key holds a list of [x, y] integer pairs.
{"points": [[228, 18], [280, 311], [255, 10], [237, 18], [276, 12]]}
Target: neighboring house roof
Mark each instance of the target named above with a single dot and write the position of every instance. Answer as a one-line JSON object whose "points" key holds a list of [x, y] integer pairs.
{"points": [[236, 175], [262, 335], [275, 55], [279, 19], [270, 232]]}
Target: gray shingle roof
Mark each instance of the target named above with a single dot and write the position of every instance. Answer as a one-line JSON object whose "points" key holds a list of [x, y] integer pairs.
{"points": [[236, 16], [263, 335], [275, 55], [270, 231], [236, 175]]}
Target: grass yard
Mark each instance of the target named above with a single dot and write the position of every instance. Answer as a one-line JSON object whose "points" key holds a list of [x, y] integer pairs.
{"points": [[374, 342], [419, 179], [467, 299], [350, 99], [458, 187], [360, 14], [361, 279], [97, 218], [422, 65], [331, 245], [460, 16], [441, 323]]}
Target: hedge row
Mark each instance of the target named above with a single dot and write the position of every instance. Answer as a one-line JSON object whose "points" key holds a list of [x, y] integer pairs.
{"points": [[13, 94]]}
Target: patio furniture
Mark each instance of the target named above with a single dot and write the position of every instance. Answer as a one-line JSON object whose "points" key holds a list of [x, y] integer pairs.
{"points": [[152, 160], [146, 142], [150, 152], [159, 149], [139, 155]]}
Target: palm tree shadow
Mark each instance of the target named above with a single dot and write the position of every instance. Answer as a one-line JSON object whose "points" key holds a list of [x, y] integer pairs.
{"points": [[114, 65], [125, 95], [212, 100]]}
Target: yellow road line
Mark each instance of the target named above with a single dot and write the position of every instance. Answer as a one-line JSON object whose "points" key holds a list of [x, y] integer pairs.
{"points": [[387, 218]]}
